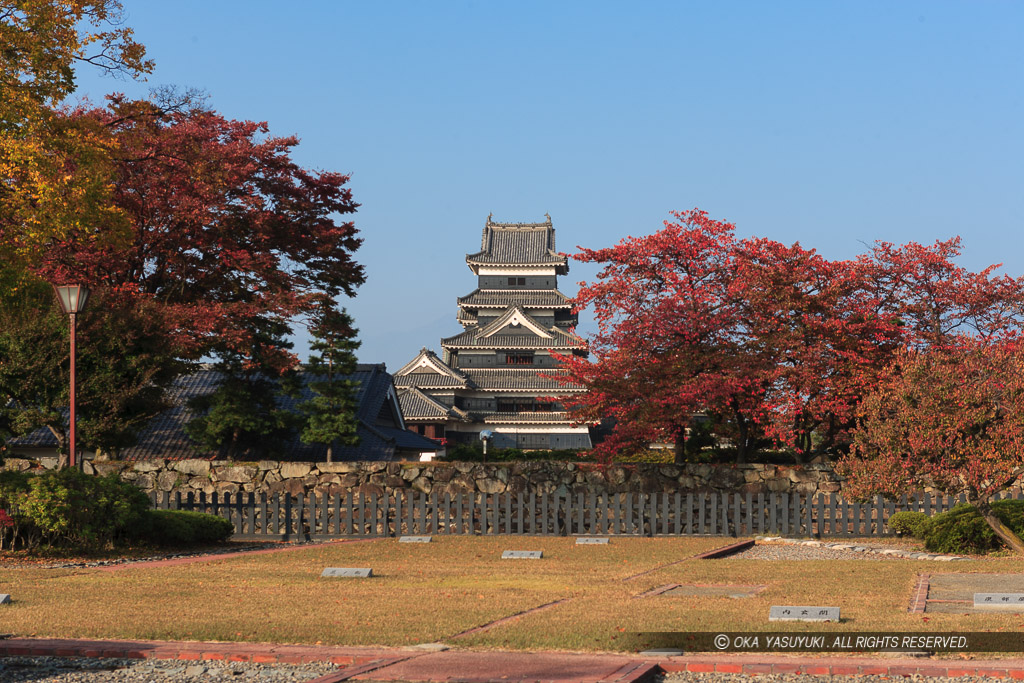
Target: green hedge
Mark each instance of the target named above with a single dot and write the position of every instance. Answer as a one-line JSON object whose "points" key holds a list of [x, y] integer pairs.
{"points": [[915, 524], [184, 528], [963, 530], [70, 509], [75, 509]]}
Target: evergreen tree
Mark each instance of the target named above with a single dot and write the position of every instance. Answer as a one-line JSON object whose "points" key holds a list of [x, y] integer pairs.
{"points": [[331, 412], [243, 416]]}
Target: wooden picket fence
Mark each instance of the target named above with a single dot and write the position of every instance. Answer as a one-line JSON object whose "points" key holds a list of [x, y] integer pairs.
{"points": [[324, 516]]}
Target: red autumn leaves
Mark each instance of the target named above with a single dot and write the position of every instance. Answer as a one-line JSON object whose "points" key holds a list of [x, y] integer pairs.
{"points": [[772, 345]]}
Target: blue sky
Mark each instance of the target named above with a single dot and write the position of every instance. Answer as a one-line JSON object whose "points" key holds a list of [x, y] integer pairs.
{"points": [[832, 124]]}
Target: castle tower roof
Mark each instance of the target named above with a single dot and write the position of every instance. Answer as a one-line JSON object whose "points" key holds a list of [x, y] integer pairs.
{"points": [[518, 244]]}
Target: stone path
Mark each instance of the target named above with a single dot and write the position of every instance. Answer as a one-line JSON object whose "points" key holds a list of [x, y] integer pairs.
{"points": [[430, 663]]}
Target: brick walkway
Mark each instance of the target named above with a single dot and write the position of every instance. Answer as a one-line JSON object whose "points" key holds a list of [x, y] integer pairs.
{"points": [[418, 664]]}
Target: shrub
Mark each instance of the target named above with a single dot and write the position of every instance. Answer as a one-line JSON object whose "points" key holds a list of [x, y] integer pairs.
{"points": [[184, 527], [963, 530], [462, 452], [913, 523], [73, 508]]}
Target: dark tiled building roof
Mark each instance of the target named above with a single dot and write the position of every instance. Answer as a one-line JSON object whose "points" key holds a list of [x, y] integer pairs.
{"points": [[503, 298], [524, 418], [164, 437], [417, 405], [518, 244], [470, 340], [487, 336], [427, 371], [528, 380]]}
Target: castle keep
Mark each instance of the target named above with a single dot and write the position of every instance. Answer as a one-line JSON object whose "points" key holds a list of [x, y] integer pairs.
{"points": [[495, 375]]}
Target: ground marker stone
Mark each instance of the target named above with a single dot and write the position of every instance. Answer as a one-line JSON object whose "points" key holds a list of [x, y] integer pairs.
{"points": [[1010, 601], [591, 541], [662, 652], [522, 554], [802, 613], [5, 599], [414, 539], [353, 572]]}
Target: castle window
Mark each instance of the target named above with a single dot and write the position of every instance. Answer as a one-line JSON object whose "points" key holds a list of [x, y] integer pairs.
{"points": [[517, 282], [519, 358]]}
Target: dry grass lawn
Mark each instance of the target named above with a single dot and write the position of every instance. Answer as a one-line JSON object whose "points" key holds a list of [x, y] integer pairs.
{"points": [[430, 592]]}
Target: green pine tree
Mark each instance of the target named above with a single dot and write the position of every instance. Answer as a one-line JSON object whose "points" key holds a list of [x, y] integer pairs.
{"points": [[243, 416], [331, 413]]}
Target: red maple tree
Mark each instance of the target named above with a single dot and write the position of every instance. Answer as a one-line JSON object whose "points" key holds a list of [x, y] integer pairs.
{"points": [[774, 344], [950, 417], [227, 232]]}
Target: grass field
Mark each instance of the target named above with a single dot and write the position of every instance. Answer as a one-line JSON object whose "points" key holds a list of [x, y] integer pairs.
{"points": [[431, 592]]}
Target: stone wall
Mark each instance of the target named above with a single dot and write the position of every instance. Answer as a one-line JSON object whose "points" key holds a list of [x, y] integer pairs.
{"points": [[542, 477]]}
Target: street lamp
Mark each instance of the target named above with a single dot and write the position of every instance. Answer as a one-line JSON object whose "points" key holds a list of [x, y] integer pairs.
{"points": [[72, 299]]}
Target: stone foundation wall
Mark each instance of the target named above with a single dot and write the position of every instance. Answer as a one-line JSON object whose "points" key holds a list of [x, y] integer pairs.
{"points": [[542, 477]]}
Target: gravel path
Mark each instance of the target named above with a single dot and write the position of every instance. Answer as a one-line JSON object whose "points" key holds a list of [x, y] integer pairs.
{"points": [[92, 670], [793, 549]]}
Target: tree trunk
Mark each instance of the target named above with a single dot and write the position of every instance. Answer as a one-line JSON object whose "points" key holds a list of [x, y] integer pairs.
{"points": [[680, 446], [1004, 532], [62, 447], [233, 446], [330, 452], [741, 439]]}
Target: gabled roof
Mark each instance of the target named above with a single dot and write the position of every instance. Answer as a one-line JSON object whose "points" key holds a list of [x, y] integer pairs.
{"points": [[518, 244], [164, 436], [428, 371], [489, 336], [503, 298], [418, 406], [514, 316]]}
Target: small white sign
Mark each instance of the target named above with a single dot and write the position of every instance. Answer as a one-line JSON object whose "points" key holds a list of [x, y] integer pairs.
{"points": [[414, 539], [351, 572], [1007, 601], [591, 541], [802, 613], [5, 599], [522, 554]]}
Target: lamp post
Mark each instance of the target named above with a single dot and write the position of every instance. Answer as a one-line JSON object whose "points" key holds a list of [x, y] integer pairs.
{"points": [[72, 299]]}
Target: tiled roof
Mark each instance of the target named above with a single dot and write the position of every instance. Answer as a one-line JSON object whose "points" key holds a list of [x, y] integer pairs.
{"points": [[486, 337], [428, 371], [502, 298], [518, 244], [514, 317], [526, 418], [417, 405], [165, 437], [517, 380], [429, 381]]}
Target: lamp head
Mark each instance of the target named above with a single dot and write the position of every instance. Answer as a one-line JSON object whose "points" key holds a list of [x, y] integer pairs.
{"points": [[71, 298]]}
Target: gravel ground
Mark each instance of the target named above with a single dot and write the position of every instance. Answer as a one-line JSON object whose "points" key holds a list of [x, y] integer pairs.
{"points": [[789, 549], [779, 678], [780, 551], [92, 670]]}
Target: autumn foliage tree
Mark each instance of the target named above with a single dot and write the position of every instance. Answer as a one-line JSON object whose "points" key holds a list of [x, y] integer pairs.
{"points": [[949, 417], [230, 242], [54, 170], [774, 344]]}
